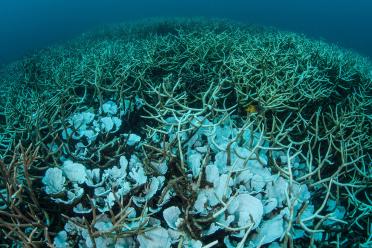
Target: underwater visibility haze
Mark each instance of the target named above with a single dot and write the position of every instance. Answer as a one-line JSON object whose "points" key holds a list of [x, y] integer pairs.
{"points": [[28, 25], [165, 124]]}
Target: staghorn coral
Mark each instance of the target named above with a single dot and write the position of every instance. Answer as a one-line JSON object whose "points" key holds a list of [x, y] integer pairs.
{"points": [[154, 112]]}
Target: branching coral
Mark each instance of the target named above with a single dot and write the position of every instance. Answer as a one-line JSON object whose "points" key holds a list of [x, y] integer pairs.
{"points": [[153, 113]]}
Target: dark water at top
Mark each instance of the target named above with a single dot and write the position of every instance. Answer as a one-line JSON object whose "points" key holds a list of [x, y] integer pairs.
{"points": [[31, 24]]}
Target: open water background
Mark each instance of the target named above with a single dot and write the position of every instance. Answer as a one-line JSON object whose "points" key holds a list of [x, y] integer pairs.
{"points": [[26, 25]]}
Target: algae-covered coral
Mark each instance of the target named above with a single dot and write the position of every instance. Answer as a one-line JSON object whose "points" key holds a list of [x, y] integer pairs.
{"points": [[186, 133]]}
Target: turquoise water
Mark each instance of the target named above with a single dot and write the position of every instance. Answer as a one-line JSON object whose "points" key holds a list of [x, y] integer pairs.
{"points": [[27, 25]]}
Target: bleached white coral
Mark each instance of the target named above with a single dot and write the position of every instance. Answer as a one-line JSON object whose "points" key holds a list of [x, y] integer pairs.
{"points": [[248, 210], [72, 195], [103, 224], [81, 120], [156, 183], [54, 181], [133, 139], [270, 230], [237, 189], [194, 163], [61, 240], [137, 172], [93, 178], [171, 216], [80, 209], [109, 107], [74, 172], [155, 238], [107, 124]]}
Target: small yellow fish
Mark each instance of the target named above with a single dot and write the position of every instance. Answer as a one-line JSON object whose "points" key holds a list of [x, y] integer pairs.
{"points": [[251, 108]]}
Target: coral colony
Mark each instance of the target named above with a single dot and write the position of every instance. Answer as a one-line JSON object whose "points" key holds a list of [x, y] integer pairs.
{"points": [[187, 133]]}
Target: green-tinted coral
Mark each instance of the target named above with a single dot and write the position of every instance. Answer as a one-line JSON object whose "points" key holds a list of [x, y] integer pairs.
{"points": [[310, 98]]}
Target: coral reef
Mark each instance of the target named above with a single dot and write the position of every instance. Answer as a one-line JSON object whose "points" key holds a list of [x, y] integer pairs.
{"points": [[186, 133]]}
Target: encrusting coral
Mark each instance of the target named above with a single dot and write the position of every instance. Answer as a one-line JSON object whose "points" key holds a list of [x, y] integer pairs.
{"points": [[186, 133]]}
